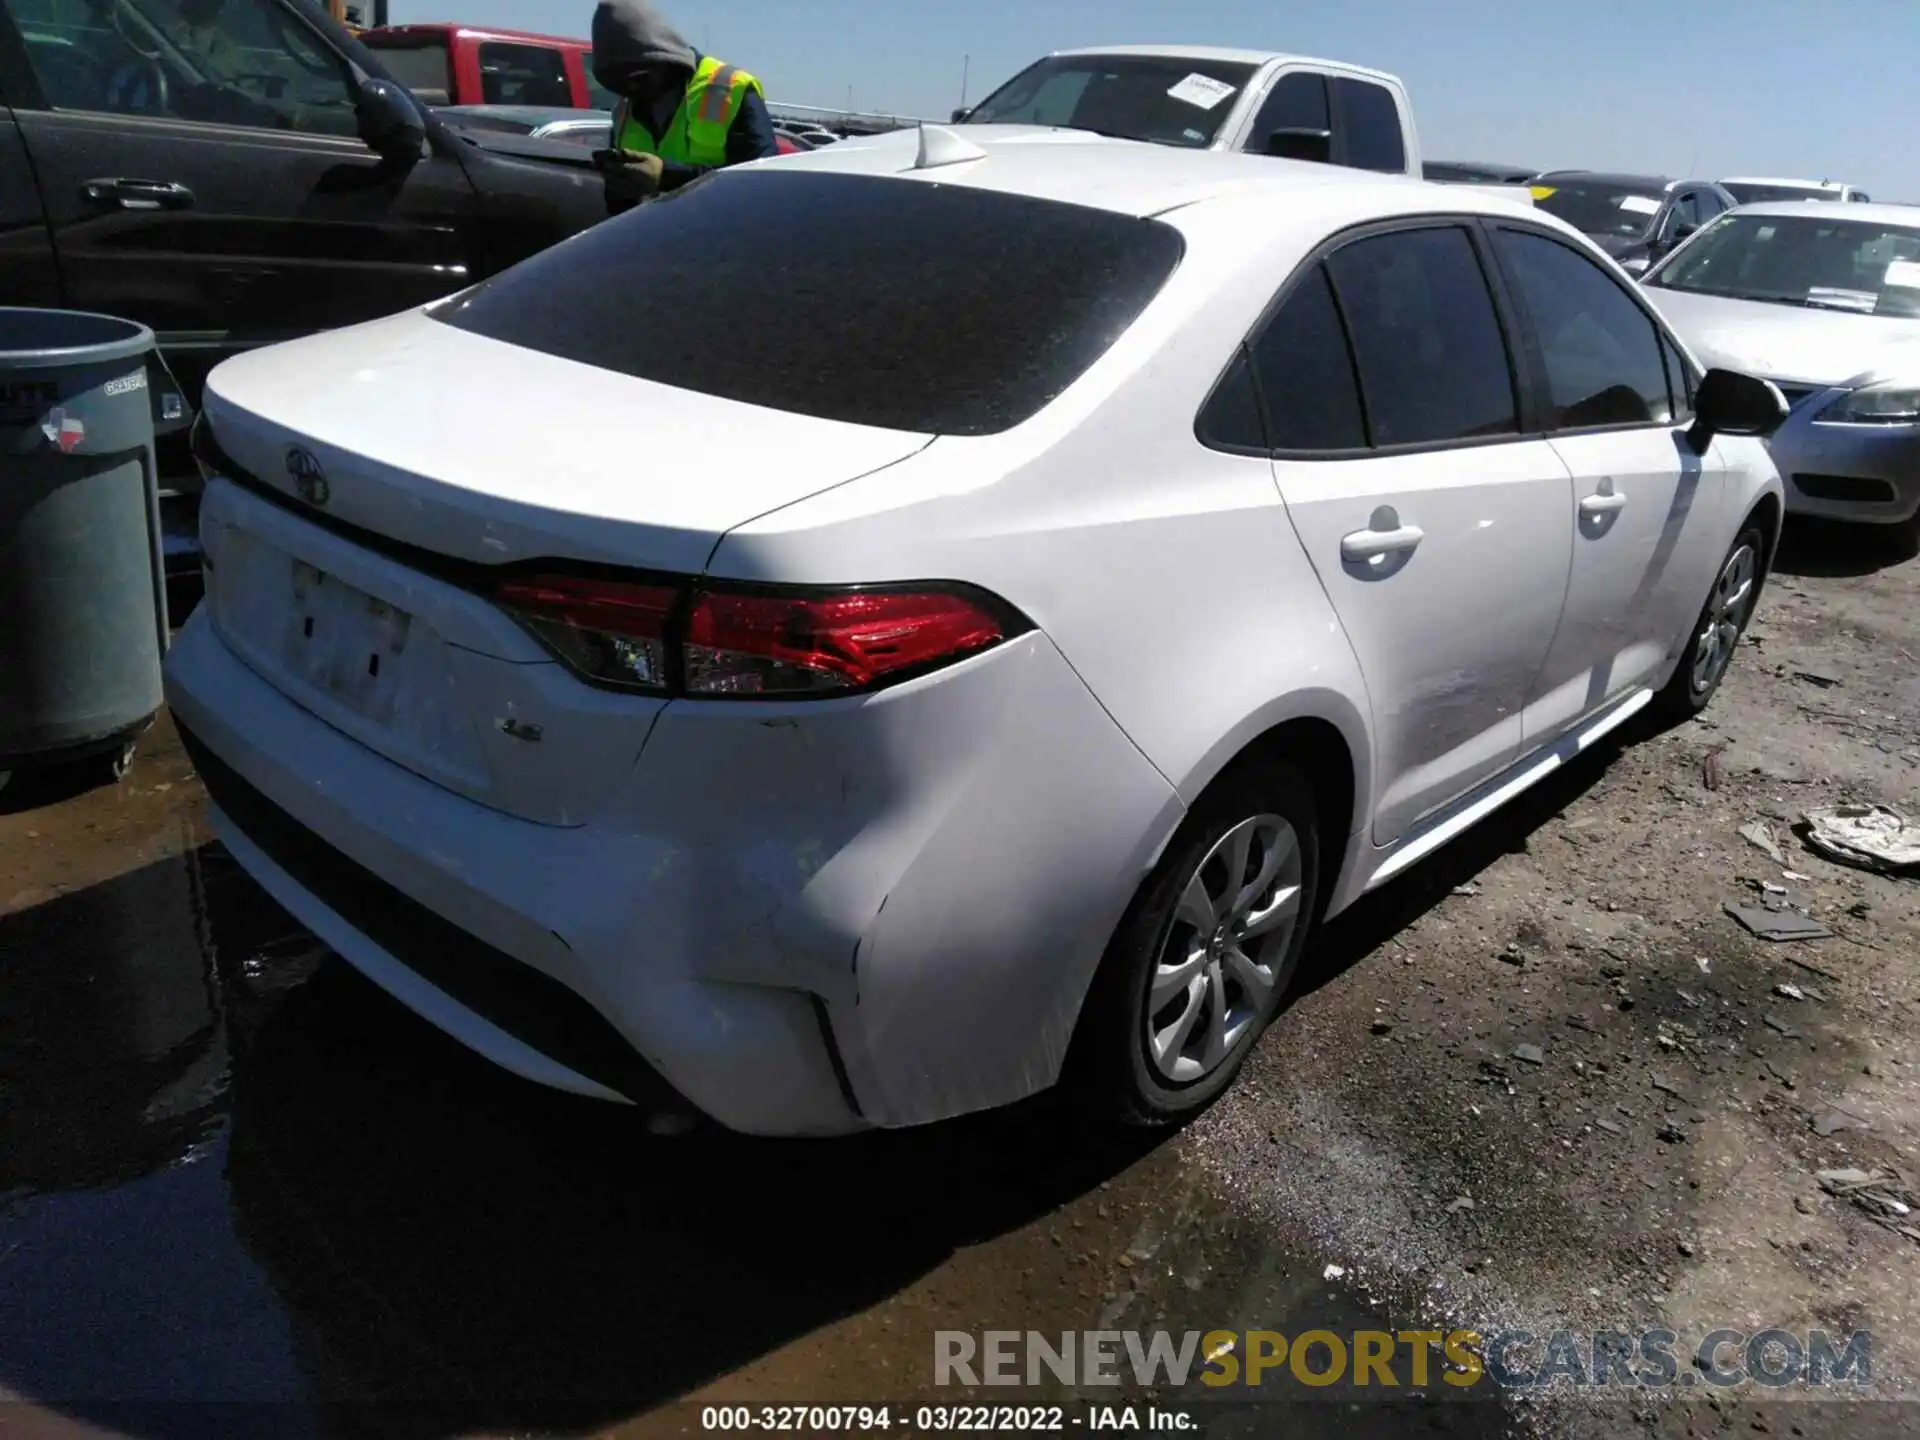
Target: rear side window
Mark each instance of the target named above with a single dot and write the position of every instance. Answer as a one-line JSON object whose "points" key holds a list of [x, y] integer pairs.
{"points": [[1369, 125], [1602, 352], [868, 299], [1298, 101], [1231, 420], [523, 75], [423, 69], [1426, 339], [1306, 373]]}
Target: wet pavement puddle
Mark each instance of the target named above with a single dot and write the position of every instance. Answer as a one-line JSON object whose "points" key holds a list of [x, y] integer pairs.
{"points": [[242, 1191]]}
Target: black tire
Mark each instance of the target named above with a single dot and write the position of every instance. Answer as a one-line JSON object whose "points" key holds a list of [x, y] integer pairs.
{"points": [[1110, 1070], [1685, 695]]}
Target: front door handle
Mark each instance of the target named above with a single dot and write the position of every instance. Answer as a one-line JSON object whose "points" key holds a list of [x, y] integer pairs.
{"points": [[130, 194], [1381, 539], [1605, 501]]}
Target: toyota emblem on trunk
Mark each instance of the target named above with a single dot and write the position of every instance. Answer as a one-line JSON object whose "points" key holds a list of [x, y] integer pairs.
{"points": [[309, 480]]}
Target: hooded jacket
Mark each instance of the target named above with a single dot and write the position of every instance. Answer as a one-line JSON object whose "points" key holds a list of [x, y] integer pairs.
{"points": [[629, 35]]}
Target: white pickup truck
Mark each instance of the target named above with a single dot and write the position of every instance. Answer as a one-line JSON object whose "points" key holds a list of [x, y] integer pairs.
{"points": [[1206, 98]]}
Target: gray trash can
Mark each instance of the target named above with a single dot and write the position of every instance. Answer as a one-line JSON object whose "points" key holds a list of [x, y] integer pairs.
{"points": [[83, 605]]}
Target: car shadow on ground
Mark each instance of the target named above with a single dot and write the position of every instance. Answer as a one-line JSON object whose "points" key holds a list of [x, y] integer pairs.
{"points": [[238, 1170], [1835, 550], [1373, 920]]}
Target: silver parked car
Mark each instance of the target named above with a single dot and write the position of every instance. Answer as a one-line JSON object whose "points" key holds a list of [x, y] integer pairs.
{"points": [[1825, 301]]}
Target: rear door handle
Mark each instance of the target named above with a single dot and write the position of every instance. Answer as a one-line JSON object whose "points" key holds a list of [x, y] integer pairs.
{"points": [[1364, 545], [130, 194], [1605, 501]]}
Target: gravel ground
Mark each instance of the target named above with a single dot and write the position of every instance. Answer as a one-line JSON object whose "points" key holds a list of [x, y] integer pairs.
{"points": [[1557, 1023]]}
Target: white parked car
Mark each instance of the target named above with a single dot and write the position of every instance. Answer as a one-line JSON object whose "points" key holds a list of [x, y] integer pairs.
{"points": [[1762, 189], [1824, 300], [953, 622]]}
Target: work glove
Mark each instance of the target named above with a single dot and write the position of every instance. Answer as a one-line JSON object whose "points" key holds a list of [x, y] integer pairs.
{"points": [[635, 178]]}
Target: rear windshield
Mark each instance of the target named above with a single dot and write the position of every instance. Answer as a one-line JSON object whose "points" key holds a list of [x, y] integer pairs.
{"points": [[896, 303], [421, 68]]}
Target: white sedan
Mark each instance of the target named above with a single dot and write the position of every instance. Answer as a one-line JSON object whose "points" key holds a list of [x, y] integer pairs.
{"points": [[885, 632]]}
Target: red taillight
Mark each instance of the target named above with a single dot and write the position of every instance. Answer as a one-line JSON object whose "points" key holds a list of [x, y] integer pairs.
{"points": [[609, 631], [760, 644], [713, 641]]}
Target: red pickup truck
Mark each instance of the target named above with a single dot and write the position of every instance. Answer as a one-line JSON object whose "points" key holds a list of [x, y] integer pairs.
{"points": [[446, 64]]}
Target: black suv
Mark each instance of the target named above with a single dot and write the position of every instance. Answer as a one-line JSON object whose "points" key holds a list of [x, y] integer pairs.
{"points": [[236, 172]]}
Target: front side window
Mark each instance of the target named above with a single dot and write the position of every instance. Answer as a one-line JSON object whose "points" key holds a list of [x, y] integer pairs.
{"points": [[1600, 207], [1306, 373], [1432, 361], [1821, 260], [1369, 125], [1602, 352], [1298, 101], [946, 309], [423, 69], [1162, 99], [222, 62]]}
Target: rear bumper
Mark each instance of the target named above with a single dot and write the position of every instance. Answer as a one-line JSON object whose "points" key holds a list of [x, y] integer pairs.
{"points": [[805, 920]]}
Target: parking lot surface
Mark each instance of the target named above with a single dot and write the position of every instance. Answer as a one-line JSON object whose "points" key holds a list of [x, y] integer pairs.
{"points": [[239, 1186]]}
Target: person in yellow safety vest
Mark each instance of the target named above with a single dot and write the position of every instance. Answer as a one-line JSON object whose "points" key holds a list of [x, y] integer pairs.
{"points": [[681, 113]]}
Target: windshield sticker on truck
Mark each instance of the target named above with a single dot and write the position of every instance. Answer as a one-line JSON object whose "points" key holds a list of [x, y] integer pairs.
{"points": [[1836, 299], [1639, 205], [1904, 273], [1201, 90]]}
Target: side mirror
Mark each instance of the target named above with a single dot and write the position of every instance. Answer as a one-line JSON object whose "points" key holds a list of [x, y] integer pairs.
{"points": [[1729, 403], [390, 122], [960, 115], [1299, 143]]}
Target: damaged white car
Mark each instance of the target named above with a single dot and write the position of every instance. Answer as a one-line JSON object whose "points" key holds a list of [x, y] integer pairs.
{"points": [[883, 633]]}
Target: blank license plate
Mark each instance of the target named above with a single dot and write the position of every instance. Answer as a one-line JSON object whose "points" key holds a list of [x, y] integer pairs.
{"points": [[345, 642]]}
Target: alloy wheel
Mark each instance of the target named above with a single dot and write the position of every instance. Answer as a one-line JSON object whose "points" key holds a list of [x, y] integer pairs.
{"points": [[1218, 968], [1726, 613]]}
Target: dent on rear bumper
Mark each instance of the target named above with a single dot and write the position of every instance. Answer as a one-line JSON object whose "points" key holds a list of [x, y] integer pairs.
{"points": [[940, 865]]}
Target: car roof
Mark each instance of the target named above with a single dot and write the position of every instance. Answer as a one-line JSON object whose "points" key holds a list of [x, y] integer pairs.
{"points": [[1614, 177], [1128, 177], [1228, 54], [1782, 180], [1874, 213], [426, 29]]}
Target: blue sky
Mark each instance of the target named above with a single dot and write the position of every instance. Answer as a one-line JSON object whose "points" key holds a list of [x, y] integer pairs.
{"points": [[1715, 87]]}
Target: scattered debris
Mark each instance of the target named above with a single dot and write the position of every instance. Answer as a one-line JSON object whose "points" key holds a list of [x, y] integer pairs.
{"points": [[1812, 969], [1871, 837], [1820, 678], [1667, 1087], [1761, 838], [1689, 1249], [1706, 965], [1833, 1120], [1777, 925], [1881, 1194], [1466, 891], [1610, 1127], [1382, 1027], [1529, 1054], [1465, 1202], [1671, 1134], [1333, 1272], [1779, 1027], [1710, 766], [1513, 955], [1794, 877], [1789, 992]]}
